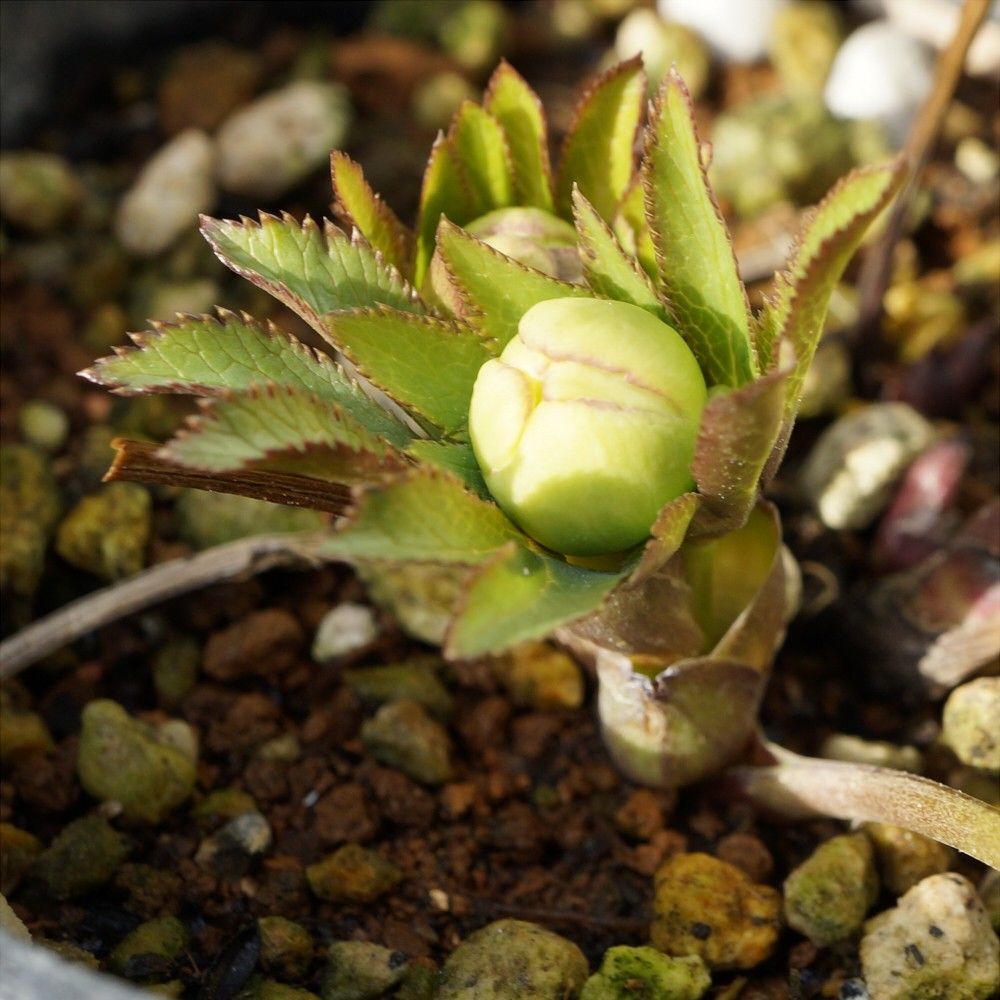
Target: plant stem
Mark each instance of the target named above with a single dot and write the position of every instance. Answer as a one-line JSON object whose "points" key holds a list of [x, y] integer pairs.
{"points": [[877, 270], [244, 557], [803, 786]]}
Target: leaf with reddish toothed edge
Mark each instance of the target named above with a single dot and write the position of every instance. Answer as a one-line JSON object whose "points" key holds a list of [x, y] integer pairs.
{"points": [[632, 228], [608, 269], [456, 457], [425, 364], [424, 515], [206, 356], [359, 206], [482, 157], [598, 153], [668, 533], [695, 259], [826, 244], [313, 272], [737, 432], [519, 111], [442, 193], [491, 291], [286, 430], [523, 595]]}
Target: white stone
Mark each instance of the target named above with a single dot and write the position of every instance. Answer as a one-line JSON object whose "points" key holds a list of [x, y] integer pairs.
{"points": [[936, 942], [272, 144], [735, 30], [175, 186], [882, 73], [935, 21], [853, 467], [345, 629]]}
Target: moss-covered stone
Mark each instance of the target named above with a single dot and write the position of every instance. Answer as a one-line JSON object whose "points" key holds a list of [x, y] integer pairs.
{"points": [[259, 988], [18, 850], [21, 730], [352, 873], [106, 533], [29, 509], [147, 769], [539, 676], [804, 39], [419, 983], [828, 895], [85, 855], [357, 970], [415, 680], [286, 948], [164, 938], [38, 191], [510, 960], [707, 907], [422, 598], [224, 803], [647, 974], [43, 425], [402, 735], [150, 891]]}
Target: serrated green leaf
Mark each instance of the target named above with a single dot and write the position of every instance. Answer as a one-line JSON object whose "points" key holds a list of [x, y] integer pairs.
{"points": [[365, 210], [483, 158], [209, 357], [632, 228], [668, 533], [493, 291], [517, 108], [455, 457], [425, 516], [427, 365], [609, 270], [695, 259], [523, 595], [738, 430], [442, 194], [311, 271], [828, 242], [286, 430], [597, 155]]}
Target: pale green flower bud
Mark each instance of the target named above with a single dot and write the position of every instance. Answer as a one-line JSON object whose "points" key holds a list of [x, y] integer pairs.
{"points": [[533, 237], [585, 425]]}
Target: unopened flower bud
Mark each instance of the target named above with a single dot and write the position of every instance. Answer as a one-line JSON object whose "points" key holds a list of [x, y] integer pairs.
{"points": [[585, 425]]}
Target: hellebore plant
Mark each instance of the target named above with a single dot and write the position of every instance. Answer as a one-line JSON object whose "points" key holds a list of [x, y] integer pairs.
{"points": [[554, 387]]}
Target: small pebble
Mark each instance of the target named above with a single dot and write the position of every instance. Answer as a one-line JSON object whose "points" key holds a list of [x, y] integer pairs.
{"points": [[107, 532], [704, 906], [538, 676], [904, 857], [804, 41], [85, 855], [21, 731], [175, 669], [937, 942], [165, 937], [748, 853], [416, 680], [286, 948], [663, 44], [43, 425], [229, 852], [850, 473], [175, 186], [735, 30], [358, 970], [422, 598], [880, 72], [989, 893], [828, 895], [148, 770], [855, 750], [259, 988], [207, 519], [11, 922], [971, 723], [402, 735], [38, 191], [224, 803], [18, 850], [641, 815], [474, 34], [344, 630], [647, 974], [265, 642], [436, 100], [513, 960], [268, 146], [352, 873]]}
